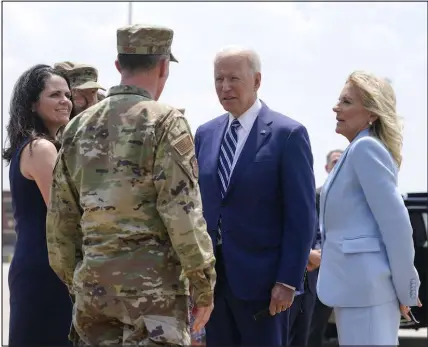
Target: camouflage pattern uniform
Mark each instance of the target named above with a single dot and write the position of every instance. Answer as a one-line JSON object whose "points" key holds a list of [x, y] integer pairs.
{"points": [[125, 195], [82, 76], [197, 337]]}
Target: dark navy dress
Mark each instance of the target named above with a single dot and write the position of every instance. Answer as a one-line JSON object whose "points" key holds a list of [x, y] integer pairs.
{"points": [[40, 305]]}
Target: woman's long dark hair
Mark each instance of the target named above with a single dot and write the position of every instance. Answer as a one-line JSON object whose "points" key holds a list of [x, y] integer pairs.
{"points": [[24, 123]]}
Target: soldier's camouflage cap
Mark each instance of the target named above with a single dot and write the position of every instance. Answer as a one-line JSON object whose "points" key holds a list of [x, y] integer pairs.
{"points": [[145, 39], [81, 76]]}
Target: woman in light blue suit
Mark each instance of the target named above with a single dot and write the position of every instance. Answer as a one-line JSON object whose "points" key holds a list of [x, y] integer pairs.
{"points": [[367, 273]]}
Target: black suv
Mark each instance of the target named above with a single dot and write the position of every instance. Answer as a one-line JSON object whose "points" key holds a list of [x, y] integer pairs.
{"points": [[417, 205]]}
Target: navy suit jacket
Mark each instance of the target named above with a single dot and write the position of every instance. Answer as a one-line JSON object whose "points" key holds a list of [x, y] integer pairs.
{"points": [[313, 275], [268, 213]]}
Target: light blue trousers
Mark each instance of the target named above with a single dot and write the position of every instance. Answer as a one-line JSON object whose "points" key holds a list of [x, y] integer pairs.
{"points": [[372, 325]]}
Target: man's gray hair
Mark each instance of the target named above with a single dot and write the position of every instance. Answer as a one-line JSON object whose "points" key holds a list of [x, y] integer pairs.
{"points": [[250, 54], [329, 154]]}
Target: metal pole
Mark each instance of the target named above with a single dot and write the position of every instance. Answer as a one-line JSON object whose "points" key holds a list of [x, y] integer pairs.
{"points": [[129, 13]]}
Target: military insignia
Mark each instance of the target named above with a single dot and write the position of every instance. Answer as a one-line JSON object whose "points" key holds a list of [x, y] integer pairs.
{"points": [[129, 50], [194, 164], [183, 144]]}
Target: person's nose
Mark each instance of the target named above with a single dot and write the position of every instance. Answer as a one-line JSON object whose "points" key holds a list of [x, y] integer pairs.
{"points": [[65, 100], [225, 87]]}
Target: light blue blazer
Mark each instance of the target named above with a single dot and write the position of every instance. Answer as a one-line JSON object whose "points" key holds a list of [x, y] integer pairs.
{"points": [[367, 245]]}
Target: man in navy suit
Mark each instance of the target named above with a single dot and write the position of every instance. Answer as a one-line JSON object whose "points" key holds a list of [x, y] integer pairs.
{"points": [[258, 192]]}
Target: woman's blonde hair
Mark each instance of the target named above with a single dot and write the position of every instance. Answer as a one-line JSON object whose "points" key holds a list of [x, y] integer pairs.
{"points": [[378, 97]]}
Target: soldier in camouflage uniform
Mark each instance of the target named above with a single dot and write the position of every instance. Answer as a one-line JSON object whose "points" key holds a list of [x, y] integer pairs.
{"points": [[125, 195], [84, 84]]}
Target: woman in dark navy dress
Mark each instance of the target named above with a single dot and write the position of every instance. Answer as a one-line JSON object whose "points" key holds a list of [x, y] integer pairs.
{"points": [[40, 304]]}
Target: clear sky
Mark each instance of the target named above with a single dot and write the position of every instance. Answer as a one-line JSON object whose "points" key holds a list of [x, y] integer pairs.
{"points": [[307, 51]]}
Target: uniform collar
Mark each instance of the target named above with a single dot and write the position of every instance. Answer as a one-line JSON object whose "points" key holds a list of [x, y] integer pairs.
{"points": [[126, 89]]}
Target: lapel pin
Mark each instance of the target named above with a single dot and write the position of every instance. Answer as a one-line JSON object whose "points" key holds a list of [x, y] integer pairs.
{"points": [[263, 132]]}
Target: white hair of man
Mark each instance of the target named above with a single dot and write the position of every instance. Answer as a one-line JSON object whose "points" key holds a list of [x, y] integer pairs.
{"points": [[250, 54]]}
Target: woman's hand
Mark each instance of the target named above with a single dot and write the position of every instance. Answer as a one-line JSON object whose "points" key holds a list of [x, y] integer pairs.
{"points": [[405, 310]]}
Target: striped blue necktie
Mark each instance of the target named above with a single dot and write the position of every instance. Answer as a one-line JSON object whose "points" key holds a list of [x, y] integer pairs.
{"points": [[227, 153]]}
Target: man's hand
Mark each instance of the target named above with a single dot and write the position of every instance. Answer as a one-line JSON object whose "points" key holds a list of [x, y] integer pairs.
{"points": [[314, 260], [281, 299], [201, 317]]}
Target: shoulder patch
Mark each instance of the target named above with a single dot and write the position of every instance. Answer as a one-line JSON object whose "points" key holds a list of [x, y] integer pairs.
{"points": [[183, 144]]}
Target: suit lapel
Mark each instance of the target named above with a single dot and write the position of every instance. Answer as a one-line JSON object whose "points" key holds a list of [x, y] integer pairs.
{"points": [[325, 190], [333, 174], [331, 177], [217, 137], [259, 134]]}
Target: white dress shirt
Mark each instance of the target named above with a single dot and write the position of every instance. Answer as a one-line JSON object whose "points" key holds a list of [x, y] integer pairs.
{"points": [[246, 120]]}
